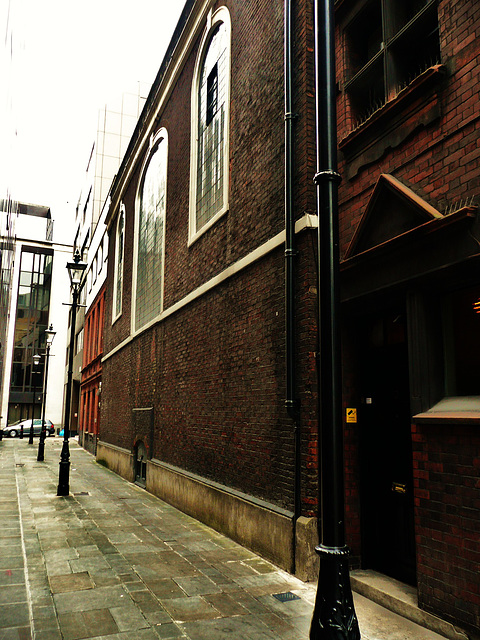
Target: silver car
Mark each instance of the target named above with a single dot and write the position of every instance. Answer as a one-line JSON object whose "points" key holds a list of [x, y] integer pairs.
{"points": [[13, 430]]}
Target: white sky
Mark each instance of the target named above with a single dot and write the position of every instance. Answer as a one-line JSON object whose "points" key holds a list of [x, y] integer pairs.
{"points": [[69, 58]]}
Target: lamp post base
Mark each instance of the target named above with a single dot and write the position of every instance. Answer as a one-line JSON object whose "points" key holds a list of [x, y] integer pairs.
{"points": [[334, 615], [63, 488], [41, 448]]}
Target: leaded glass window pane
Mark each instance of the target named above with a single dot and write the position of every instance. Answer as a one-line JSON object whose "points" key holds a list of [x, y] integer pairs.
{"points": [[211, 128], [119, 272], [150, 250]]}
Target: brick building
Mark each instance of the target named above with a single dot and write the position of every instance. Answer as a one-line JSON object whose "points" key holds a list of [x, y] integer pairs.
{"points": [[408, 128], [91, 385], [205, 399]]}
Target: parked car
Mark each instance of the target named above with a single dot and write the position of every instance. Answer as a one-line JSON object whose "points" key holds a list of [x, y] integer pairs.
{"points": [[13, 430]]}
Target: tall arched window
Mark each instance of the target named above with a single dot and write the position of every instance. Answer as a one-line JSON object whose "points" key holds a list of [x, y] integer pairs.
{"points": [[150, 234], [119, 248], [210, 125]]}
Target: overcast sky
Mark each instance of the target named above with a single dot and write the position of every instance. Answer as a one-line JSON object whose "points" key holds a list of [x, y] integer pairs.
{"points": [[62, 61]]}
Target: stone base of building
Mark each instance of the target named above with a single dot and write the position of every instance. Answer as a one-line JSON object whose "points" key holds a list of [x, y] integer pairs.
{"points": [[255, 524], [258, 525], [88, 441], [116, 459], [307, 561]]}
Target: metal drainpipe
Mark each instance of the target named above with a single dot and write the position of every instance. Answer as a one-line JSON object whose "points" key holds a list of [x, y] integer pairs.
{"points": [[291, 403]]}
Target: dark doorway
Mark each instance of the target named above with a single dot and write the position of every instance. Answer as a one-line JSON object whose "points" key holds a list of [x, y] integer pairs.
{"points": [[388, 537], [141, 464]]}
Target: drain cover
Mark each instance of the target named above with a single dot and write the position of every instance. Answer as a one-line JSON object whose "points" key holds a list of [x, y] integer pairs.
{"points": [[81, 493], [286, 597]]}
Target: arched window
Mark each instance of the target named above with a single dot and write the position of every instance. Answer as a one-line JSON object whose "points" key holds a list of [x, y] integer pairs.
{"points": [[119, 248], [210, 125], [150, 234]]}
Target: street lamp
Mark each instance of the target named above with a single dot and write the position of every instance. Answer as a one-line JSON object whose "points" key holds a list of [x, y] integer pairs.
{"points": [[334, 615], [36, 361], [49, 336], [75, 271]]}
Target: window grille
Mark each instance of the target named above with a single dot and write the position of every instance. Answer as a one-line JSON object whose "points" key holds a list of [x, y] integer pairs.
{"points": [[389, 44]]}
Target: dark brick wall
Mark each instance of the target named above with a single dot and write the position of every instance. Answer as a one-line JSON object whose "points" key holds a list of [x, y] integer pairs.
{"points": [[224, 419], [214, 374], [214, 371], [304, 107], [306, 372], [446, 462], [256, 153]]}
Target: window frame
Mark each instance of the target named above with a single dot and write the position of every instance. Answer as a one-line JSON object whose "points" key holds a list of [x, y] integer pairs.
{"points": [[439, 366], [221, 15], [115, 314], [160, 137], [380, 65]]}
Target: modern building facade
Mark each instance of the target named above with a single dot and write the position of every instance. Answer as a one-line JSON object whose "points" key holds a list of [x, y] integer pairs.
{"points": [[206, 400], [8, 216], [37, 278]]}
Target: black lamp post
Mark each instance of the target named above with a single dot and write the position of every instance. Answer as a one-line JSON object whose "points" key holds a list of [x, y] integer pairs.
{"points": [[49, 336], [36, 361], [334, 615], [75, 271]]}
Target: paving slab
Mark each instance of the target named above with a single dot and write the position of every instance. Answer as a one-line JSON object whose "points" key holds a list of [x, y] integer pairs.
{"points": [[81, 624], [190, 608], [71, 582], [112, 562], [14, 615]]}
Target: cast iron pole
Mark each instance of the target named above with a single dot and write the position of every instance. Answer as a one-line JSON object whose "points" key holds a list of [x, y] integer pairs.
{"points": [[30, 435], [43, 432], [63, 488], [334, 613]]}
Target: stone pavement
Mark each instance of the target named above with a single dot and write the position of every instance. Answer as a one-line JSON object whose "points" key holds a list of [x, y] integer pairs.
{"points": [[113, 562]]}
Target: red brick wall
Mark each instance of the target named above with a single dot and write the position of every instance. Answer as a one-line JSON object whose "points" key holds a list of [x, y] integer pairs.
{"points": [[92, 366], [439, 161], [447, 506]]}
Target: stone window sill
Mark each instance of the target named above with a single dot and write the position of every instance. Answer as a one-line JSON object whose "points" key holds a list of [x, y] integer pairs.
{"points": [[463, 410]]}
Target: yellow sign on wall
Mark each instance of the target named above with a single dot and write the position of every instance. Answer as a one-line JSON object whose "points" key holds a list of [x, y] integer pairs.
{"points": [[351, 415]]}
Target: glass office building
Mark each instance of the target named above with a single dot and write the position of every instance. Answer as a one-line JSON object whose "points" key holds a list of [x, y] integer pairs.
{"points": [[31, 320]]}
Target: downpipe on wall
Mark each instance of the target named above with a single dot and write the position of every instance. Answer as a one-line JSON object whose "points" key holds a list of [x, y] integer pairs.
{"points": [[291, 402]]}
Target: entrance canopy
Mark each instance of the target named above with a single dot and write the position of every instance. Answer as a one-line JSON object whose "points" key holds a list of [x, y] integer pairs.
{"points": [[402, 238]]}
